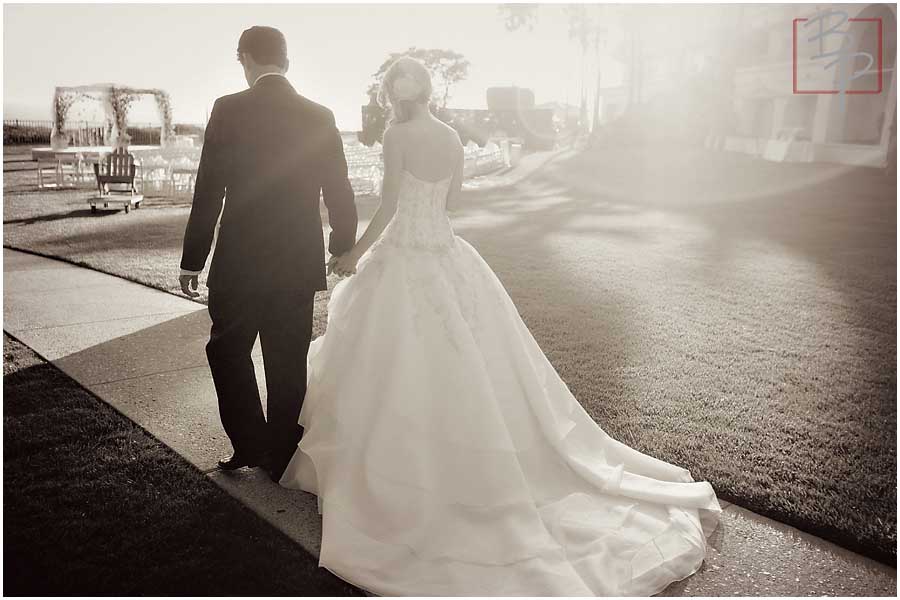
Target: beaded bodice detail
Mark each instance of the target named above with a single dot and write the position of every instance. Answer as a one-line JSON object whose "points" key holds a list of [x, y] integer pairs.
{"points": [[421, 220]]}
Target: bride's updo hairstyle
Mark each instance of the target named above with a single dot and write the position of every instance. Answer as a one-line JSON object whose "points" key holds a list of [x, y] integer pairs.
{"points": [[406, 83]]}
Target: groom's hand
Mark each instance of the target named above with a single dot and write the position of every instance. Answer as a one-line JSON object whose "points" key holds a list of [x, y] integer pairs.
{"points": [[329, 268], [343, 265], [189, 285]]}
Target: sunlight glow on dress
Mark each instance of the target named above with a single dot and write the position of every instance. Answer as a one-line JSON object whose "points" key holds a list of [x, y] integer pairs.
{"points": [[448, 456]]}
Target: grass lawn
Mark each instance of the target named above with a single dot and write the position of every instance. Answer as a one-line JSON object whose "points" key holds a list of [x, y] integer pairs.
{"points": [[95, 506], [733, 316]]}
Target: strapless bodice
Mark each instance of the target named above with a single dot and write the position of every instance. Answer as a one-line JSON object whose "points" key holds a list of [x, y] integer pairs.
{"points": [[421, 220]]}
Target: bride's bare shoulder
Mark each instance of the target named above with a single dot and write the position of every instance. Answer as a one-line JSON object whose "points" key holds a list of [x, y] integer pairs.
{"points": [[394, 131], [416, 133], [449, 131], [404, 134]]}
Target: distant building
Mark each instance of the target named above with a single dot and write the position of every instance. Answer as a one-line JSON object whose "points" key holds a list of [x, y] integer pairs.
{"points": [[776, 123], [731, 80]]}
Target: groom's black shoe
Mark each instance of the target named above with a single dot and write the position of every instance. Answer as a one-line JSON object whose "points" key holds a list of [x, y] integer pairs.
{"points": [[274, 472], [276, 465], [236, 461]]}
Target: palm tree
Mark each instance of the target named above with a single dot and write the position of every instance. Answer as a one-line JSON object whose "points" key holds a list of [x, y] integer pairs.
{"points": [[588, 28]]}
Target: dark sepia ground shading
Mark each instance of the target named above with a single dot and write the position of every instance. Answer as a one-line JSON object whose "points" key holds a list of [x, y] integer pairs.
{"points": [[95, 506]]}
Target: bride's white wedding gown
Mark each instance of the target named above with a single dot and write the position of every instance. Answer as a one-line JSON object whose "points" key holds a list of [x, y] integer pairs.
{"points": [[448, 456]]}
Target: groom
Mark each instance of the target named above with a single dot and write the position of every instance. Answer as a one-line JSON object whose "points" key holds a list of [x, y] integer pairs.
{"points": [[269, 152]]}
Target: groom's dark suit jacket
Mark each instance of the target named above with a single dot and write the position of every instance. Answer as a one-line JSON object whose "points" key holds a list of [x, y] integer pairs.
{"points": [[269, 152]]}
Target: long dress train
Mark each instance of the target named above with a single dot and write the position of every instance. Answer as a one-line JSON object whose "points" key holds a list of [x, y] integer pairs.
{"points": [[450, 459]]}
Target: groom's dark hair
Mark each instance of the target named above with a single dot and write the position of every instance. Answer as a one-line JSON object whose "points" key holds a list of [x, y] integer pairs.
{"points": [[266, 45]]}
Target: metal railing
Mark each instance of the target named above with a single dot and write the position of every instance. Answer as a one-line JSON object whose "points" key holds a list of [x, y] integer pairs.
{"points": [[81, 133]]}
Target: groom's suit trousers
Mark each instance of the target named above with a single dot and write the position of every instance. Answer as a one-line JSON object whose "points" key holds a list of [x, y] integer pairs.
{"points": [[270, 158], [283, 321]]}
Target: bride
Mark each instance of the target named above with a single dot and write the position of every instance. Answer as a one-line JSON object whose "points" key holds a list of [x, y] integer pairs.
{"points": [[448, 457]]}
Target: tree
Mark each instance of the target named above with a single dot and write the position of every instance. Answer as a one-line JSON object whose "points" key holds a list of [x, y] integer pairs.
{"points": [[519, 16], [587, 27], [446, 67]]}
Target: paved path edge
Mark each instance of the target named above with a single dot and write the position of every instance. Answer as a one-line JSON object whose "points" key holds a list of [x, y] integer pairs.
{"points": [[256, 491]]}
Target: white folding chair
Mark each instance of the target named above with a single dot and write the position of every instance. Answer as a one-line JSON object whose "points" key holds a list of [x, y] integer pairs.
{"points": [[154, 171], [70, 171], [47, 168], [177, 175]]}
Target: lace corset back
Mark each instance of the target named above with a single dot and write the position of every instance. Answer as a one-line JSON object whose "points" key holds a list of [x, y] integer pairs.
{"points": [[421, 219]]}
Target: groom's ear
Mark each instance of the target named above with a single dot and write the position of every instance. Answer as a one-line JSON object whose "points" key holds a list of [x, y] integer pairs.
{"points": [[287, 64]]}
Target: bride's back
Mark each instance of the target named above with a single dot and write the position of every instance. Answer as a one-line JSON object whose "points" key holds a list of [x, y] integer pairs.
{"points": [[430, 149]]}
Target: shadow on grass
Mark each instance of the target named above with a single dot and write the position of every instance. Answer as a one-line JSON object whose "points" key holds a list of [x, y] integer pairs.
{"points": [[72, 214]]}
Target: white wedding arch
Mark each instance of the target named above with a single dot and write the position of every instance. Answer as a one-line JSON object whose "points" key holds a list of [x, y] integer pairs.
{"points": [[116, 101]]}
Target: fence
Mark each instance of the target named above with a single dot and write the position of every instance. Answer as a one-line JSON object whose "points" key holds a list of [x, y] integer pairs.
{"points": [[37, 124], [364, 167], [81, 133], [18, 131]]}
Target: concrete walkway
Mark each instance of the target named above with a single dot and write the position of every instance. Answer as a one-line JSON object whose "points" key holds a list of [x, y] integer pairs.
{"points": [[142, 351]]}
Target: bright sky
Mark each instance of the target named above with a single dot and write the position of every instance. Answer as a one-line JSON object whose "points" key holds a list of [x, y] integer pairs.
{"points": [[189, 50]]}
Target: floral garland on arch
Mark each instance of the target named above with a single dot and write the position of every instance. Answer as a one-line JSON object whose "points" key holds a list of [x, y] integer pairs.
{"points": [[61, 105], [117, 101], [62, 102], [164, 104], [120, 100]]}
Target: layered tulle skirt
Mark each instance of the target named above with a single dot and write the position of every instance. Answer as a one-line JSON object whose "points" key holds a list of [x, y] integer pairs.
{"points": [[450, 459]]}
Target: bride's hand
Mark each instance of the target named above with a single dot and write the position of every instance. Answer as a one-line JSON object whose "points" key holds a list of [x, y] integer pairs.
{"points": [[344, 265]]}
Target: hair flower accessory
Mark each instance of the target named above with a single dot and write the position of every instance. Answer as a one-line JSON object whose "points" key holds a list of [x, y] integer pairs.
{"points": [[406, 87]]}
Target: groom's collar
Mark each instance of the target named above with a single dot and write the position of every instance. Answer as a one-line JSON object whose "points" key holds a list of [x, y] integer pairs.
{"points": [[266, 75]]}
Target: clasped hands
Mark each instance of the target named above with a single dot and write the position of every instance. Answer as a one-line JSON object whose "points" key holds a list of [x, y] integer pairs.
{"points": [[343, 265]]}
